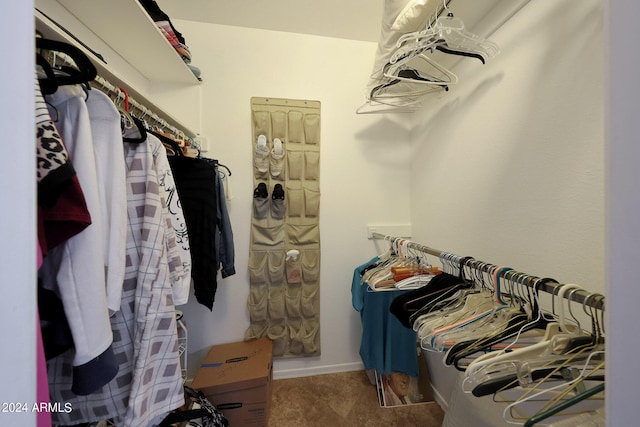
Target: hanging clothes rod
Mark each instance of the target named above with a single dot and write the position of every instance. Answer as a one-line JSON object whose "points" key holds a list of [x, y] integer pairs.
{"points": [[122, 96], [53, 30], [104, 85], [543, 284]]}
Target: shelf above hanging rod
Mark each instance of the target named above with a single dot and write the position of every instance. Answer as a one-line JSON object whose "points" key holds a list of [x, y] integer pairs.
{"points": [[51, 30], [547, 285]]}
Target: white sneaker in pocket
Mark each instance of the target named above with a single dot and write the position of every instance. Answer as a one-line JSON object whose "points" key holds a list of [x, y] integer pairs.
{"points": [[262, 154], [277, 158]]}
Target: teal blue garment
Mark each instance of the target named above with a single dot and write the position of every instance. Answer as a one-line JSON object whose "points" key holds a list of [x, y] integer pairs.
{"points": [[357, 287], [386, 345]]}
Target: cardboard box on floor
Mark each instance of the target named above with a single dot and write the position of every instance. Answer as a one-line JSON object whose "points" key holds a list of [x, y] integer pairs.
{"points": [[237, 378]]}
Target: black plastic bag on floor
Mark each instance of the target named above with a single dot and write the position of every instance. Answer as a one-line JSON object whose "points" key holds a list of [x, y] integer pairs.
{"points": [[200, 412]]}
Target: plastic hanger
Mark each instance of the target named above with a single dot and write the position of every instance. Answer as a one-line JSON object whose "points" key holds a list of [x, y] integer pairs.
{"points": [[84, 70], [420, 69], [490, 361], [471, 307], [511, 324], [375, 107], [586, 372], [47, 79], [561, 342], [491, 333], [567, 404], [452, 30], [552, 329], [401, 94], [443, 291], [438, 303], [484, 314], [533, 370], [505, 373], [133, 130], [448, 35]]}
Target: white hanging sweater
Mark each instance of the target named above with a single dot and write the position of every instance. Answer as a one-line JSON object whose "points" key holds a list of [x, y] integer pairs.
{"points": [[75, 269]]}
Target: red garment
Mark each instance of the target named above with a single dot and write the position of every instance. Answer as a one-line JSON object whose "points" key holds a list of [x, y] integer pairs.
{"points": [[66, 218]]}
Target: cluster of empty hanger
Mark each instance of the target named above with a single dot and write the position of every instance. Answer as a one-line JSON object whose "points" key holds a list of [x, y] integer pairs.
{"points": [[491, 325], [411, 73], [399, 268]]}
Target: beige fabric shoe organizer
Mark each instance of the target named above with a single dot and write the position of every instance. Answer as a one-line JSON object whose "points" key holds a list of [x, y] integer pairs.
{"points": [[284, 296]]}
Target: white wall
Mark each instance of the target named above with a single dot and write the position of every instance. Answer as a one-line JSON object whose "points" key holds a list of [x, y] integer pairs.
{"points": [[508, 167], [364, 174], [17, 228], [623, 213], [622, 220], [623, 205]]}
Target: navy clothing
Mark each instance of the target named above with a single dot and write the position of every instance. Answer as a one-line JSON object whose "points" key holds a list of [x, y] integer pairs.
{"points": [[225, 251]]}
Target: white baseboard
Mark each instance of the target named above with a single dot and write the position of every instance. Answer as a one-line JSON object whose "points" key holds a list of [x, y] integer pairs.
{"points": [[319, 370], [441, 401]]}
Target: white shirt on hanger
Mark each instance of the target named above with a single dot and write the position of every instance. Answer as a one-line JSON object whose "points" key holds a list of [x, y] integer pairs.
{"points": [[111, 175], [76, 267]]}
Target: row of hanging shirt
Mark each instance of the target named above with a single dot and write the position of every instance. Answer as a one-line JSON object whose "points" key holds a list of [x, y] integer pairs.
{"points": [[120, 241], [488, 323]]}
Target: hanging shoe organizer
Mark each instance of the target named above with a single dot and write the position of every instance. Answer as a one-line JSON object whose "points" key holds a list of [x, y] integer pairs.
{"points": [[284, 259]]}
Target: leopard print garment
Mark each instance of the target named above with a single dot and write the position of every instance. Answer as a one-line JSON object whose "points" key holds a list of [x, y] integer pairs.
{"points": [[54, 168]]}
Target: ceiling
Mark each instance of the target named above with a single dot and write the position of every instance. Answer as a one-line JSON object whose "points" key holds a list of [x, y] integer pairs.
{"points": [[351, 19]]}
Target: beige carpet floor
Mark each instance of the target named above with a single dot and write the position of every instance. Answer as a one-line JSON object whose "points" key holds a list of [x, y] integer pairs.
{"points": [[345, 399]]}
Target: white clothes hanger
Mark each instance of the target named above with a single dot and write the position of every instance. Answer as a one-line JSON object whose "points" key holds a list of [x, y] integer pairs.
{"points": [[419, 68], [499, 363], [552, 329], [585, 372], [561, 294], [449, 35]]}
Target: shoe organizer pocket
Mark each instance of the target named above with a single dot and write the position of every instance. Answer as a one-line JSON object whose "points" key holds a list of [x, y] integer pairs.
{"points": [[261, 156], [261, 122], [311, 202], [310, 300], [267, 236], [278, 334], [276, 303], [292, 267], [311, 336], [258, 267], [303, 234], [255, 331], [312, 128], [257, 303], [277, 162], [276, 267], [279, 124], [260, 174], [277, 208], [295, 202], [292, 302], [310, 266], [296, 332], [294, 165], [311, 165], [260, 207], [296, 127]]}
